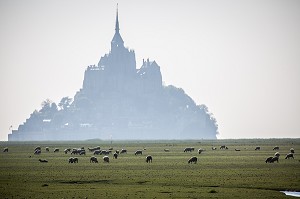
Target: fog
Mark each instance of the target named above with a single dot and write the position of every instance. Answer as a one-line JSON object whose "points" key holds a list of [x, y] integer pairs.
{"points": [[241, 59]]}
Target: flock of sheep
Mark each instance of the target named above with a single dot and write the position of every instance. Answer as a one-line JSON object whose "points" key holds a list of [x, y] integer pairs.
{"points": [[82, 151], [276, 156], [97, 151]]}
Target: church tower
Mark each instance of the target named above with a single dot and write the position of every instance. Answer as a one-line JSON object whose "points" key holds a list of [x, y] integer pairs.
{"points": [[117, 41]]}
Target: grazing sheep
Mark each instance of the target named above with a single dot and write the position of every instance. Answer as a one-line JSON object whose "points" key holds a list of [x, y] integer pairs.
{"points": [[277, 154], [117, 152], [75, 160], [82, 152], [193, 159], [123, 151], [67, 150], [37, 148], [257, 148], [77, 151], [276, 148], [268, 160], [200, 150], [222, 147], [106, 159], [71, 160], [138, 152], [289, 155], [43, 160], [5, 149], [213, 148], [94, 148], [189, 149], [104, 152], [47, 149], [115, 156], [56, 150], [93, 159], [276, 158], [37, 152], [97, 152], [292, 150], [166, 150], [111, 148], [149, 159]]}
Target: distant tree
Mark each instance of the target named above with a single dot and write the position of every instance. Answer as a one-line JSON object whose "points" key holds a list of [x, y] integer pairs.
{"points": [[65, 103], [49, 108], [46, 106]]}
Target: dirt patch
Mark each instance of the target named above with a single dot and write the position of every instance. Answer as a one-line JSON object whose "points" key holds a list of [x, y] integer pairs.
{"points": [[142, 182], [86, 182]]}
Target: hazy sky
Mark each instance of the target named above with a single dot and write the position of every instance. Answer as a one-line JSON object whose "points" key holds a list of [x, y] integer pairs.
{"points": [[240, 58]]}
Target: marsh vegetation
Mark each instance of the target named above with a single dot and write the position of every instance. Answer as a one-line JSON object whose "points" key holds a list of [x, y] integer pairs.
{"points": [[218, 173]]}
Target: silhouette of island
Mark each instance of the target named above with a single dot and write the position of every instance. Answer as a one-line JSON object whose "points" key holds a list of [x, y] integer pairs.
{"points": [[118, 101]]}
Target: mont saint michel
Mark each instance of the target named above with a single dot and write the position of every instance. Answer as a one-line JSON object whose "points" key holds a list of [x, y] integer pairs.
{"points": [[120, 101]]}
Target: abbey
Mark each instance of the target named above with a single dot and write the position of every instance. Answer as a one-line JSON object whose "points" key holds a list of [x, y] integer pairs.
{"points": [[120, 101], [116, 73]]}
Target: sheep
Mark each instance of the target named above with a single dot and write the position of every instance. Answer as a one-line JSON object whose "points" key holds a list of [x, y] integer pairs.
{"points": [[77, 151], [276, 148], [166, 150], [43, 160], [200, 150], [257, 148], [117, 152], [94, 149], [93, 159], [292, 150], [37, 152], [104, 152], [237, 149], [289, 155], [149, 159], [5, 149], [47, 149], [213, 148], [73, 160], [115, 156], [38, 148], [111, 148], [268, 160], [193, 159], [123, 151], [67, 150], [138, 152], [223, 147], [106, 159], [277, 154], [56, 150], [97, 152], [82, 152], [188, 149], [276, 158]]}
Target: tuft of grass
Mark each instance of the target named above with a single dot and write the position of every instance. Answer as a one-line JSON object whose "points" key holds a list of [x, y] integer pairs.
{"points": [[212, 191]]}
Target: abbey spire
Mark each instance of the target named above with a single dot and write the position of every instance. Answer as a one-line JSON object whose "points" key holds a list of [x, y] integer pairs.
{"points": [[117, 29], [117, 40]]}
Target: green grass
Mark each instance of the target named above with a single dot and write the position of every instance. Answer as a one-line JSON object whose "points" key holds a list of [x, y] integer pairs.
{"points": [[218, 174]]}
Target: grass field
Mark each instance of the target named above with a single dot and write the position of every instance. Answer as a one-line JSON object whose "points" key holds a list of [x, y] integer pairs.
{"points": [[217, 174]]}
